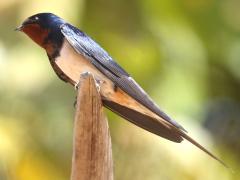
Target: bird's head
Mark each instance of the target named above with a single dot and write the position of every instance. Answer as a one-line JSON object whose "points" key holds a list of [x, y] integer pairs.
{"points": [[43, 28]]}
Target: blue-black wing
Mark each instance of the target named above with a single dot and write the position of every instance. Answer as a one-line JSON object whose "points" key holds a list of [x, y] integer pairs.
{"points": [[84, 45]]}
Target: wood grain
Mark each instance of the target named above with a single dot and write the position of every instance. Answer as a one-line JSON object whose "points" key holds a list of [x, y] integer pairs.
{"points": [[92, 151]]}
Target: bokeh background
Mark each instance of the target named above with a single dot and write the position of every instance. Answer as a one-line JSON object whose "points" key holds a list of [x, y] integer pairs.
{"points": [[185, 54]]}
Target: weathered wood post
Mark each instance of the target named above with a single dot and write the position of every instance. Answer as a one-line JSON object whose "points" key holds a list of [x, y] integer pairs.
{"points": [[92, 151]]}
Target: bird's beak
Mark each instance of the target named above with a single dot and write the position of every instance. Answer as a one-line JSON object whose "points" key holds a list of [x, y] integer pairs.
{"points": [[19, 28]]}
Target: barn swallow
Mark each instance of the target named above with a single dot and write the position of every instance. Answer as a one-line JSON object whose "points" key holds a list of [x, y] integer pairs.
{"points": [[71, 52]]}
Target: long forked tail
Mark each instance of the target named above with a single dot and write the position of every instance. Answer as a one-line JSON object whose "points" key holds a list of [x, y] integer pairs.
{"points": [[185, 136], [150, 124]]}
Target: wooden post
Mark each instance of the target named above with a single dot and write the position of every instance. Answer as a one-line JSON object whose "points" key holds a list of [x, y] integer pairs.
{"points": [[92, 151]]}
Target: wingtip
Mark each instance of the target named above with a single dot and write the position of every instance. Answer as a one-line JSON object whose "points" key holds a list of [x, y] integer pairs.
{"points": [[191, 140]]}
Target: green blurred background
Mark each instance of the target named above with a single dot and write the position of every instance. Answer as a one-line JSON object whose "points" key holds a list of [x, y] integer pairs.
{"points": [[185, 54]]}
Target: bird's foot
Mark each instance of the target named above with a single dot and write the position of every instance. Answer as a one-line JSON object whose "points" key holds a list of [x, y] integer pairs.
{"points": [[98, 84], [76, 86], [98, 87], [83, 75]]}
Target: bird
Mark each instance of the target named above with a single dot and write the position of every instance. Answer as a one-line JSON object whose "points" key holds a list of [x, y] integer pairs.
{"points": [[72, 52]]}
